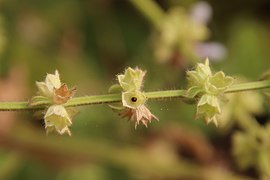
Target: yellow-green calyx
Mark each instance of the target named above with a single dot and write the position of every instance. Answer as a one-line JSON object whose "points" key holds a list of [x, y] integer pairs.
{"points": [[209, 88], [133, 99], [208, 107], [132, 79], [46, 88], [57, 117]]}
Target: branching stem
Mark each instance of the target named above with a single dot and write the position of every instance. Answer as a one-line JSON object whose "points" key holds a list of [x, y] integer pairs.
{"points": [[150, 10]]}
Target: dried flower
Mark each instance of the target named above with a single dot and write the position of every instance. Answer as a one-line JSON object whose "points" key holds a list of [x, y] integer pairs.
{"points": [[54, 90], [138, 114], [63, 94], [57, 119]]}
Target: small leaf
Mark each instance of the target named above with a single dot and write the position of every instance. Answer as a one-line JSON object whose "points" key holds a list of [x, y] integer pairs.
{"points": [[39, 100], [193, 92], [116, 88]]}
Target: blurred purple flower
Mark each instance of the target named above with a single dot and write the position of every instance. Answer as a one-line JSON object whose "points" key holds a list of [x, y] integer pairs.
{"points": [[213, 50], [201, 12], [182, 37]]}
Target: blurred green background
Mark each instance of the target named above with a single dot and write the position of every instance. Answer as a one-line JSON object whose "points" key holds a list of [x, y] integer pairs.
{"points": [[89, 42]]}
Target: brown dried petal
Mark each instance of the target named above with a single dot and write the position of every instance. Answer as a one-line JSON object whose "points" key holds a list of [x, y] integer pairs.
{"points": [[139, 114], [126, 113], [63, 94]]}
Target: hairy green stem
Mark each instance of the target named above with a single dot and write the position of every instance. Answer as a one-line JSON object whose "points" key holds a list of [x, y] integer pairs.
{"points": [[249, 86], [111, 98], [150, 10]]}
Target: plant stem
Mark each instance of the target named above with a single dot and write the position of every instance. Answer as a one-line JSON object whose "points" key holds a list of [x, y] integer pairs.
{"points": [[111, 98], [150, 10], [249, 86], [17, 106]]}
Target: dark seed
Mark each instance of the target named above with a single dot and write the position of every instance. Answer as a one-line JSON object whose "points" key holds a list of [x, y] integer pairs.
{"points": [[133, 99]]}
